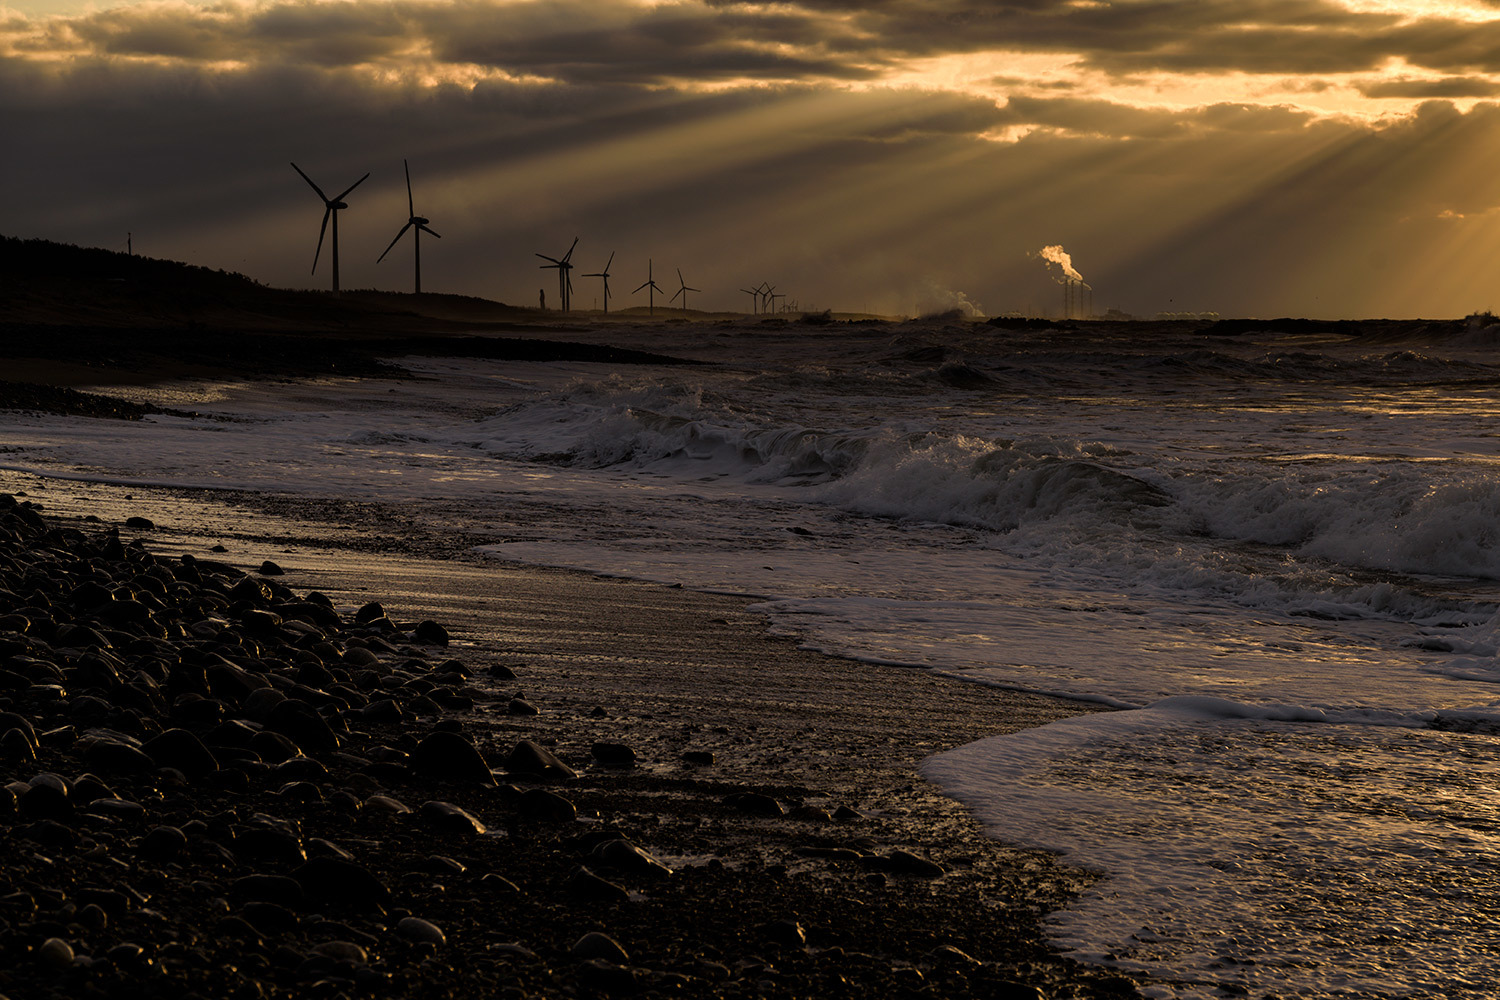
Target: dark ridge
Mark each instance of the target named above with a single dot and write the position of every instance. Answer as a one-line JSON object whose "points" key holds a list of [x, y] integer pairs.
{"points": [[56, 399], [107, 311]]}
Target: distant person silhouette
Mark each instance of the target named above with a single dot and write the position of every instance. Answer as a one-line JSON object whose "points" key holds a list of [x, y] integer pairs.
{"points": [[541, 294]]}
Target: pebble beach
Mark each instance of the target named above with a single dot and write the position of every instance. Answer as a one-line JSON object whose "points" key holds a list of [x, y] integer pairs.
{"points": [[220, 784]]}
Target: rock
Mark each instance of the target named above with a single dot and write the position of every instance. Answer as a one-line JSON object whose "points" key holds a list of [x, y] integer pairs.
{"points": [[501, 672], [755, 803], [163, 843], [274, 747], [906, 863], [417, 929], [140, 523], [55, 955], [268, 918], [597, 945], [785, 934], [386, 805], [613, 754], [334, 880], [278, 889], [300, 722], [343, 951], [369, 613], [112, 757], [447, 818], [540, 804], [624, 855], [449, 755], [181, 749], [584, 886], [268, 843], [530, 759], [383, 710], [430, 633], [498, 883], [268, 568], [520, 706], [698, 757]]}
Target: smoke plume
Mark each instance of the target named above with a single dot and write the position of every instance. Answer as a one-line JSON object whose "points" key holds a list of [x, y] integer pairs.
{"points": [[1055, 254]]}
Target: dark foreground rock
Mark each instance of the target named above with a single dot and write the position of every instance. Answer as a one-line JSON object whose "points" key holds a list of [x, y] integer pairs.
{"points": [[217, 787]]}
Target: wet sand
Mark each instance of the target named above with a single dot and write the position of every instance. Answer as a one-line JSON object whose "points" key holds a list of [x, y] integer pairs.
{"points": [[669, 672]]}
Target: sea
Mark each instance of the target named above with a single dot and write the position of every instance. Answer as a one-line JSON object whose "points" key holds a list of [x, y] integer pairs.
{"points": [[1273, 549]]}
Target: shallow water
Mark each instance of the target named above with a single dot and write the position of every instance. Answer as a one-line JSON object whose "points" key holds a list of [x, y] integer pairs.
{"points": [[1281, 553]]}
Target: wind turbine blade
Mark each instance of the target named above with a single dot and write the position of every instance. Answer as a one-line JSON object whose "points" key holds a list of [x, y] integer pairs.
{"points": [[429, 232], [640, 286], [393, 242], [351, 187], [310, 181], [608, 262], [569, 254], [687, 289], [410, 208], [321, 231], [554, 260]]}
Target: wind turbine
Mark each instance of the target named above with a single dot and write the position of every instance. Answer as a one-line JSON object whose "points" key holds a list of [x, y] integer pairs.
{"points": [[683, 290], [766, 288], [564, 279], [331, 207], [416, 223], [605, 275], [754, 294], [774, 297], [650, 295]]}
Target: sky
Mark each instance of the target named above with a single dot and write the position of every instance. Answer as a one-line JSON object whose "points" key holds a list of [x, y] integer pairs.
{"points": [[1323, 158]]}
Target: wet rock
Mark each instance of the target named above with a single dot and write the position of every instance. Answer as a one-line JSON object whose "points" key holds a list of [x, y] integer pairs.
{"points": [[55, 955], [181, 749], [430, 633], [625, 856], [756, 804], [540, 804], [613, 754], [906, 863], [417, 929], [494, 882], [532, 760], [300, 722], [268, 918], [278, 889], [369, 613], [273, 747], [268, 568], [451, 756], [342, 951], [385, 804], [785, 934], [268, 843], [383, 710], [450, 820], [584, 886], [163, 843], [602, 946], [338, 881], [114, 757], [520, 706], [698, 757]]}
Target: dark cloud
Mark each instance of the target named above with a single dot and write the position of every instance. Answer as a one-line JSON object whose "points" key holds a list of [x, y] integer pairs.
{"points": [[1452, 88]]}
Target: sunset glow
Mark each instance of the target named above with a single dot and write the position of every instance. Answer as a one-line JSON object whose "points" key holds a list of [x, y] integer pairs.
{"points": [[1122, 130]]}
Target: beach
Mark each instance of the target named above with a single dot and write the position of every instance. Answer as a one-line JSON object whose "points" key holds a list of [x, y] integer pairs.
{"points": [[810, 814], [1153, 657]]}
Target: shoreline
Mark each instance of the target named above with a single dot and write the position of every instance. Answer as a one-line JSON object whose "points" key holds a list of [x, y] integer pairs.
{"points": [[812, 732]]}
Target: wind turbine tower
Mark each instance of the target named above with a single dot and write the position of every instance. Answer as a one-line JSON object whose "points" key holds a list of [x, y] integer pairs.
{"points": [[564, 279], [605, 275], [653, 288], [417, 224], [683, 290], [331, 208]]}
